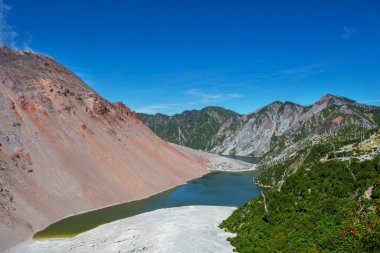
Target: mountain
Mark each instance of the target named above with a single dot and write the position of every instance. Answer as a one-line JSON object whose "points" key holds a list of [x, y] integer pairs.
{"points": [[323, 196], [65, 150], [272, 132], [197, 129]]}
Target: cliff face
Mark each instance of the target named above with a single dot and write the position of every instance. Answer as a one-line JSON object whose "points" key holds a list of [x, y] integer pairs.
{"points": [[280, 126], [64, 149]]}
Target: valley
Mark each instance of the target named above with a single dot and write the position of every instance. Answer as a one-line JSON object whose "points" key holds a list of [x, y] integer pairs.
{"points": [[157, 126], [319, 169], [80, 173]]}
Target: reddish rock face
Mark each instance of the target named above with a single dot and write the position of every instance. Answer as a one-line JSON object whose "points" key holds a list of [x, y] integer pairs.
{"points": [[337, 119], [65, 150]]}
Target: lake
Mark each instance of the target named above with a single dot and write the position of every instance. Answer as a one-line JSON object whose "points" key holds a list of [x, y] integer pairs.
{"points": [[215, 188]]}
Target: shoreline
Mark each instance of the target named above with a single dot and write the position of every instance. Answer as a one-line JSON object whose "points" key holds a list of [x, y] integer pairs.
{"points": [[122, 203], [206, 164], [107, 206], [178, 229], [210, 166], [254, 168]]}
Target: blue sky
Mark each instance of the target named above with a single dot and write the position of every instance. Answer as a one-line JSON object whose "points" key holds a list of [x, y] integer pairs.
{"points": [[169, 56]]}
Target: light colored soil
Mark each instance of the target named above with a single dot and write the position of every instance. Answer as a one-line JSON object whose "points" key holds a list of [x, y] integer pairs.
{"points": [[182, 229]]}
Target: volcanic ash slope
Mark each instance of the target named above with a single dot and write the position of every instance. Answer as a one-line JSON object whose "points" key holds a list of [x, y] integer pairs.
{"points": [[65, 150]]}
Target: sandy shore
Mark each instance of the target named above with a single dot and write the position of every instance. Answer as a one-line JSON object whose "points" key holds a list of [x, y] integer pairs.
{"points": [[215, 162], [180, 229]]}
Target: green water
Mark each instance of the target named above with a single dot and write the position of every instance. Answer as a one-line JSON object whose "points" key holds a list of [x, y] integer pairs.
{"points": [[216, 188]]}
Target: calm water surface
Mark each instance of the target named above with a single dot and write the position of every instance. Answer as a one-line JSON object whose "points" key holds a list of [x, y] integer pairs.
{"points": [[216, 188]]}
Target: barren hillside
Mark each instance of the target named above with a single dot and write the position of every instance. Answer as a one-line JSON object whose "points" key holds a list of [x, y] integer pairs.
{"points": [[64, 149]]}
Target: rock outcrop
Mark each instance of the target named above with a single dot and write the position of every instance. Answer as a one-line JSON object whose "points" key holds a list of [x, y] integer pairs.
{"points": [[65, 150]]}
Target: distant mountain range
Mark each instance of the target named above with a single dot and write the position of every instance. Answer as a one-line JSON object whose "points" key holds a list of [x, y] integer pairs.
{"points": [[273, 131]]}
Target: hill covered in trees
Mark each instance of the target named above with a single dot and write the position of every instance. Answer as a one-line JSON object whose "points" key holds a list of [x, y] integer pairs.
{"points": [[320, 200]]}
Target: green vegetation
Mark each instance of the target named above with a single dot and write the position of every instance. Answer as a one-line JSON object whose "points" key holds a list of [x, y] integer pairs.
{"points": [[272, 175], [314, 205], [194, 129], [321, 208]]}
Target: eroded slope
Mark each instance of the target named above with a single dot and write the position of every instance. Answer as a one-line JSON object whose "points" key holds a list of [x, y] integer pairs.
{"points": [[64, 149]]}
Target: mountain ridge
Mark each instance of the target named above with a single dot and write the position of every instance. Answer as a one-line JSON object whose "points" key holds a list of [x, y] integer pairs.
{"points": [[276, 124]]}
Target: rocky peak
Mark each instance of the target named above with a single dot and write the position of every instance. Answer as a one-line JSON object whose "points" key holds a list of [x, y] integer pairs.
{"points": [[39, 84], [330, 99], [31, 65], [274, 105]]}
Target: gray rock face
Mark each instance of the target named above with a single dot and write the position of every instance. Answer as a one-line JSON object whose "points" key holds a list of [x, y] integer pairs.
{"points": [[284, 124]]}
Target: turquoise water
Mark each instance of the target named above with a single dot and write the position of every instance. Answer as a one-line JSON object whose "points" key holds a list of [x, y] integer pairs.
{"points": [[216, 188]]}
